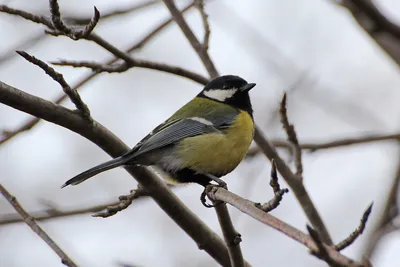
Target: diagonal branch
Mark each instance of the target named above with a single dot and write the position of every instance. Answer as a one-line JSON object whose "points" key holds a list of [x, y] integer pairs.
{"points": [[384, 31], [216, 193], [58, 77], [295, 184], [8, 135], [65, 259], [292, 180], [354, 235], [187, 31], [206, 24], [98, 134]]}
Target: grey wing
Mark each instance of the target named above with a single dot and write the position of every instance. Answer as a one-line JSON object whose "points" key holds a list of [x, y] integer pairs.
{"points": [[176, 131]]}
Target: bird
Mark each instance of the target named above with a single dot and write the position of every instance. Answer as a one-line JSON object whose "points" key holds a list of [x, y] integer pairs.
{"points": [[204, 140]]}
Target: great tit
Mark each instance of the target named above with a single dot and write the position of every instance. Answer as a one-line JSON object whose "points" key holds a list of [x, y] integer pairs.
{"points": [[205, 139]]}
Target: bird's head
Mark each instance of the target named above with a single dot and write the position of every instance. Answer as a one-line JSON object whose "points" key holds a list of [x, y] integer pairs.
{"points": [[231, 90]]}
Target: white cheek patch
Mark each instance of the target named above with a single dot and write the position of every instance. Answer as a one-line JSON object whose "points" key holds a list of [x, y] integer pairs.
{"points": [[202, 120], [220, 94]]}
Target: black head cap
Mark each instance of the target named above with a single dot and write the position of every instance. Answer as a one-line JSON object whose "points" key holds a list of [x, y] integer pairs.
{"points": [[229, 89]]}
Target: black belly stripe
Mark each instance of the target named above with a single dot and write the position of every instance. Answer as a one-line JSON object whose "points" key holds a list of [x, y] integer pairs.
{"points": [[187, 175]]}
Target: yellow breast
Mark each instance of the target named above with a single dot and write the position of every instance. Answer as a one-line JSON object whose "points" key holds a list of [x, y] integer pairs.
{"points": [[218, 153]]}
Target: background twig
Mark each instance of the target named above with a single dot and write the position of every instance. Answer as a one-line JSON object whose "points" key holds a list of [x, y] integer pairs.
{"points": [[65, 259]]}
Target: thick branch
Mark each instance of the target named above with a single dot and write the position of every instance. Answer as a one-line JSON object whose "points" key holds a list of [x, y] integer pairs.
{"points": [[98, 134], [36, 228]]}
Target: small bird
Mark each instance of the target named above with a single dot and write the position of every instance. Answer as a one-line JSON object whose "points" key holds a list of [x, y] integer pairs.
{"points": [[205, 139]]}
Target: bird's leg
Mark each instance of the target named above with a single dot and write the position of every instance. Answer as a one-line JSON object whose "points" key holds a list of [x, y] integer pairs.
{"points": [[218, 181], [204, 193]]}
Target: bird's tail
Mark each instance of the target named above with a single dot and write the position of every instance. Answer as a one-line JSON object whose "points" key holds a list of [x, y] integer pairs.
{"points": [[96, 170]]}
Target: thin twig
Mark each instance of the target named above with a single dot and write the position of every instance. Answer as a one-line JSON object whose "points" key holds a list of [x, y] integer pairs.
{"points": [[187, 31], [118, 68], [278, 192], [217, 193], [74, 34], [231, 236], [292, 137], [354, 235], [9, 134], [314, 146], [112, 49], [206, 24], [97, 67], [59, 78], [111, 13], [386, 224], [124, 202], [65, 259]]}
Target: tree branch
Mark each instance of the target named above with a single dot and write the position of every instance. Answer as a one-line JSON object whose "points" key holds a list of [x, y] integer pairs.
{"points": [[278, 192], [8, 135], [203, 54], [385, 33], [231, 236], [59, 78], [98, 134], [74, 34], [294, 183], [354, 235], [65, 259], [216, 193]]}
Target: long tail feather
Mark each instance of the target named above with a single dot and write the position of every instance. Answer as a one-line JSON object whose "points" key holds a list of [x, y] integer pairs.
{"points": [[96, 170]]}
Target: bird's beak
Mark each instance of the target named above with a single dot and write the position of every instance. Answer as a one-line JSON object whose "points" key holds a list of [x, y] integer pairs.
{"points": [[247, 87]]}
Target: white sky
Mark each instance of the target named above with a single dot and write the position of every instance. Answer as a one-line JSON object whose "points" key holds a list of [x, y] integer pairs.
{"points": [[349, 88]]}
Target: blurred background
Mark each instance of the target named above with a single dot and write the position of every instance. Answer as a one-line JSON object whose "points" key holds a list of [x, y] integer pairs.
{"points": [[340, 84]]}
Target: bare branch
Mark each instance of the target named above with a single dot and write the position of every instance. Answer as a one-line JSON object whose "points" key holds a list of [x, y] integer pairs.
{"points": [[9, 134], [65, 259], [231, 236], [204, 17], [124, 202], [292, 137], [203, 54], [98, 67], [217, 193], [386, 223], [74, 34], [293, 181], [278, 192], [360, 229], [26, 15], [112, 49], [98, 134], [314, 146], [295, 184], [384, 31], [111, 13], [58, 77]]}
